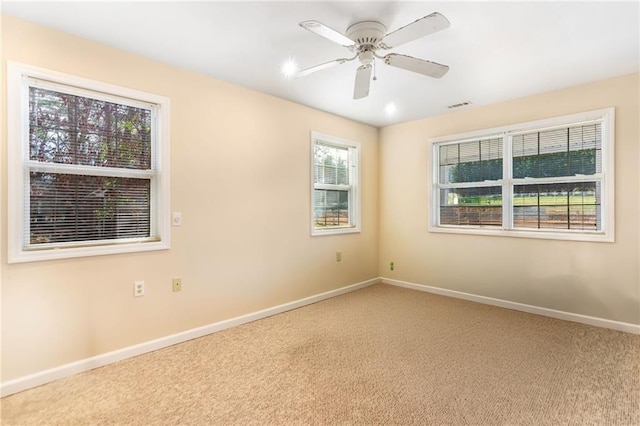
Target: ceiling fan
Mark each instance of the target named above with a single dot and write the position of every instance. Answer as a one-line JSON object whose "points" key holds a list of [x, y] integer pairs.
{"points": [[366, 38]]}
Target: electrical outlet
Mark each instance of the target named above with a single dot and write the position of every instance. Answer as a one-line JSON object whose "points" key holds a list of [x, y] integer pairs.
{"points": [[177, 284], [338, 256], [138, 288], [392, 266]]}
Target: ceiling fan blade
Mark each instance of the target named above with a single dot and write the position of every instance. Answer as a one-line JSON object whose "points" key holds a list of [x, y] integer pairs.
{"points": [[428, 68], [363, 81], [328, 33], [420, 28], [320, 67]]}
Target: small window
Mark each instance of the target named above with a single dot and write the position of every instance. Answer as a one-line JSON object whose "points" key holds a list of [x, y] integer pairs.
{"points": [[335, 196], [547, 179], [86, 167]]}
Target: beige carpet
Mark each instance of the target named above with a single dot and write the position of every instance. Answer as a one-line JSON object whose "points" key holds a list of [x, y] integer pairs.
{"points": [[381, 355]]}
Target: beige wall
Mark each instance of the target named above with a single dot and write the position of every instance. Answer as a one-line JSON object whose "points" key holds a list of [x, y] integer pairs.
{"points": [[595, 279], [240, 176]]}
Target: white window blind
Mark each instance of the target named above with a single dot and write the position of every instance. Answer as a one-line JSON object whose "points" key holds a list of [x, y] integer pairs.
{"points": [[93, 203], [470, 173], [558, 178]]}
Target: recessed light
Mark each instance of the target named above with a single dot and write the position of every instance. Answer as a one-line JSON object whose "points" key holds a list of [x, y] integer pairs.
{"points": [[390, 109], [289, 68]]}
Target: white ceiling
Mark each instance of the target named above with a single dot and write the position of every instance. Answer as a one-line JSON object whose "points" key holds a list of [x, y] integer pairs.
{"points": [[496, 50]]}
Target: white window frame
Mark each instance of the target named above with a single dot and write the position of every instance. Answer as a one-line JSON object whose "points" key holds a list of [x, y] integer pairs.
{"points": [[353, 187], [19, 77], [605, 116]]}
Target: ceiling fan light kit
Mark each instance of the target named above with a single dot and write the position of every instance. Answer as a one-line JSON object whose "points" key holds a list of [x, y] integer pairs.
{"points": [[365, 39]]}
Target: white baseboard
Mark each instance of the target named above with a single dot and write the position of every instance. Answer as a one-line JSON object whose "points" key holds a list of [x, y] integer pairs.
{"points": [[46, 376], [568, 316]]}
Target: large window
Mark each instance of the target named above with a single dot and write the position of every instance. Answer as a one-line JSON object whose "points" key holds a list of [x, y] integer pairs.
{"points": [[335, 202], [88, 168], [546, 179]]}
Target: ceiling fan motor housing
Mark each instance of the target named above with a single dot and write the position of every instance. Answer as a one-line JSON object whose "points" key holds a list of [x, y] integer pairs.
{"points": [[367, 35]]}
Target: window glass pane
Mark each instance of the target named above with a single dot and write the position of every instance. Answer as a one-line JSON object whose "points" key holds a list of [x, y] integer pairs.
{"points": [[559, 152], [67, 208], [471, 206], [557, 206], [331, 208], [474, 161], [69, 129], [331, 164]]}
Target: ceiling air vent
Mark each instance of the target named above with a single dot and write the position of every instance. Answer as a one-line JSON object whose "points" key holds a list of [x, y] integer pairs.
{"points": [[461, 104]]}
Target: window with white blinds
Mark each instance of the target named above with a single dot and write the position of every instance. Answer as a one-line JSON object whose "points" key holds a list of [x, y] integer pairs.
{"points": [[546, 179], [86, 176], [335, 202], [470, 173]]}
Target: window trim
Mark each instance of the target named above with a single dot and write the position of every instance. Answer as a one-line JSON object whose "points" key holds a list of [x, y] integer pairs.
{"points": [[607, 232], [17, 164], [354, 179]]}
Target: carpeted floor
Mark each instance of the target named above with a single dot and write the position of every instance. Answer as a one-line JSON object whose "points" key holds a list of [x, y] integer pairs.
{"points": [[381, 355]]}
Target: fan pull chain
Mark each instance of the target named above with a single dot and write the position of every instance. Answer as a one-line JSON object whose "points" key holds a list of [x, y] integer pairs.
{"points": [[374, 71]]}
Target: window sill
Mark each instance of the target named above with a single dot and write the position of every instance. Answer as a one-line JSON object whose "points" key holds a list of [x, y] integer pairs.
{"points": [[74, 252], [316, 232], [600, 237]]}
